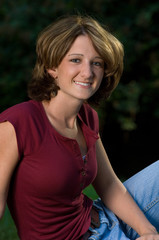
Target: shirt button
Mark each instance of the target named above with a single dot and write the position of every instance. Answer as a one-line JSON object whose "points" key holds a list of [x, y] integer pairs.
{"points": [[83, 173]]}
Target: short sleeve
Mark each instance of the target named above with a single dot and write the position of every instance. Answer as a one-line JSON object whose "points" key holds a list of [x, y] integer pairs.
{"points": [[14, 116]]}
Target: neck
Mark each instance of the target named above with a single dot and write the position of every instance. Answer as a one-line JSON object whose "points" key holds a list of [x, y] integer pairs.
{"points": [[65, 112]]}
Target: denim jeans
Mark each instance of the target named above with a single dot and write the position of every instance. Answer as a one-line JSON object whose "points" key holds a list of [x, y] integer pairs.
{"points": [[144, 188]]}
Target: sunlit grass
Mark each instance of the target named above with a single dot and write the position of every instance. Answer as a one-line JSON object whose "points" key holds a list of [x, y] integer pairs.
{"points": [[90, 192]]}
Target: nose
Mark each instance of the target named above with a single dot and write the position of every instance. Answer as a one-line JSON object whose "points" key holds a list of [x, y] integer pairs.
{"points": [[87, 71]]}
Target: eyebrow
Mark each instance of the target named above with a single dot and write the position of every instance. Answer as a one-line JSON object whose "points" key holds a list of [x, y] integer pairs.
{"points": [[78, 54], [75, 54]]}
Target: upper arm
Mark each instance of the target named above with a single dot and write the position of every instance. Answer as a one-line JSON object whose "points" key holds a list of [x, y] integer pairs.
{"points": [[8, 159], [105, 173]]}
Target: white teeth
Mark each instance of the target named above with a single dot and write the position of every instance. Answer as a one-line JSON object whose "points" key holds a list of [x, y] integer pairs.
{"points": [[83, 84]]}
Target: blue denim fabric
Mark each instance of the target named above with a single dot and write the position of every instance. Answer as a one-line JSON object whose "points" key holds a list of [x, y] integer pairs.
{"points": [[144, 188]]}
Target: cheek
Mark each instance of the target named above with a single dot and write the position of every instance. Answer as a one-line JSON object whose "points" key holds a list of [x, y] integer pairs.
{"points": [[99, 84], [66, 72], [100, 77]]}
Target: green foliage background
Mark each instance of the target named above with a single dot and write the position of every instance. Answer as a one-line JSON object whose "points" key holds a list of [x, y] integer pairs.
{"points": [[129, 119]]}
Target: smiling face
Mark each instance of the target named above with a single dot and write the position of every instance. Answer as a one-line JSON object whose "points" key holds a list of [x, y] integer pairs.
{"points": [[81, 71]]}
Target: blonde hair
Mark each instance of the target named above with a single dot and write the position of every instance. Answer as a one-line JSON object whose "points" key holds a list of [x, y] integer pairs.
{"points": [[55, 41]]}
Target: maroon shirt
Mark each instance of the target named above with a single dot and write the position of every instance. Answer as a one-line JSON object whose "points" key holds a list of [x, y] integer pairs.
{"points": [[45, 196]]}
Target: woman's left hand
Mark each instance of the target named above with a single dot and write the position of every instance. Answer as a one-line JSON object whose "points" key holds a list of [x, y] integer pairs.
{"points": [[150, 236]]}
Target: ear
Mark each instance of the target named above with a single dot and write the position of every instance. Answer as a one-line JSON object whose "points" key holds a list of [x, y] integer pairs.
{"points": [[52, 72]]}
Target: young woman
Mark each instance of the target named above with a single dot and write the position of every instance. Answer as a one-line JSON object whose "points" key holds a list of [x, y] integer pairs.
{"points": [[50, 148]]}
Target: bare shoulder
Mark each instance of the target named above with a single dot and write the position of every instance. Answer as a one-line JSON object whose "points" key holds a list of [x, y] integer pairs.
{"points": [[6, 127], [8, 141]]}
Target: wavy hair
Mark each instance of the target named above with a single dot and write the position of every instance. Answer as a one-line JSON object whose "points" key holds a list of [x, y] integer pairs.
{"points": [[54, 42]]}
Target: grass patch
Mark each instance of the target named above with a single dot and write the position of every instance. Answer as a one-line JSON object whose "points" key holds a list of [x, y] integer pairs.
{"points": [[7, 228], [90, 192]]}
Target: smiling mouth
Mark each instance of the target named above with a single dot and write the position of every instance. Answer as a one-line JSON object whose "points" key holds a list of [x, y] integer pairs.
{"points": [[82, 84]]}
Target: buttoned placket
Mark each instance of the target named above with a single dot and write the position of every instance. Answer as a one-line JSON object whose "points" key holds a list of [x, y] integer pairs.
{"points": [[82, 164]]}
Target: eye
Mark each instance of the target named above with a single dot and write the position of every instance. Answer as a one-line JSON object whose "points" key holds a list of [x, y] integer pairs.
{"points": [[98, 64], [75, 60]]}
